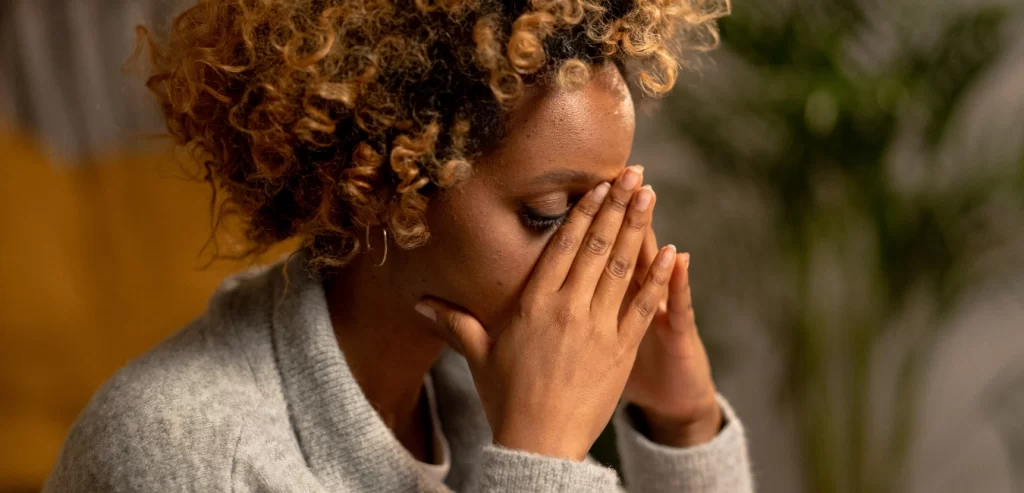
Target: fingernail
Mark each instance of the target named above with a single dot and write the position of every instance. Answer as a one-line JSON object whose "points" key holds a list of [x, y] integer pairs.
{"points": [[686, 261], [601, 192], [426, 310], [629, 179], [644, 198], [667, 256]]}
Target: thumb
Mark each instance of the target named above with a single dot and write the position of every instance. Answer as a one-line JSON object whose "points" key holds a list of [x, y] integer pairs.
{"points": [[462, 331]]}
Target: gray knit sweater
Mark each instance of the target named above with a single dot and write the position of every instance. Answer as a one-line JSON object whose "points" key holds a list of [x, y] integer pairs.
{"points": [[255, 396]]}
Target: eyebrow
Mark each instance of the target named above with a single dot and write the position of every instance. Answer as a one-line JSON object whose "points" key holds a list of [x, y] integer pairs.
{"points": [[565, 177]]}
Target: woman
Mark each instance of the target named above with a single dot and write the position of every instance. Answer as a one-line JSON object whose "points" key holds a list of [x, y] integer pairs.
{"points": [[456, 171]]}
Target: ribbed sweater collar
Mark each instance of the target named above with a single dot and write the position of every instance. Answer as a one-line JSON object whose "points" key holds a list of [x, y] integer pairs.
{"points": [[344, 440]]}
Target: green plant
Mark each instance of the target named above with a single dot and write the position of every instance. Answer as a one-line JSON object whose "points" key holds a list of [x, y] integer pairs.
{"points": [[849, 149]]}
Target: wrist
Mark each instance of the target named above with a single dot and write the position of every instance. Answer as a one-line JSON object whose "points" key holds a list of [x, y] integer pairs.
{"points": [[673, 431]]}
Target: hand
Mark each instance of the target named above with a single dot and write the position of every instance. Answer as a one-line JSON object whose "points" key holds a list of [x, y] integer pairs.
{"points": [[552, 376], [671, 380]]}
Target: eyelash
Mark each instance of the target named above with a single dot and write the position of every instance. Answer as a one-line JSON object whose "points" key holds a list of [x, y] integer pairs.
{"points": [[541, 223]]}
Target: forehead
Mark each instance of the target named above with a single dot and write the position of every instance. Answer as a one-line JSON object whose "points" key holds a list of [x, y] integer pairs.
{"points": [[585, 130]]}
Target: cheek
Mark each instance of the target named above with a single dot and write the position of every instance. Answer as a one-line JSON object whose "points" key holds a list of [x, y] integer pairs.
{"points": [[484, 257]]}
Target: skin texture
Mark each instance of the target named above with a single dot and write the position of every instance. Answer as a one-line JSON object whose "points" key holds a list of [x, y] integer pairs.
{"points": [[480, 256], [448, 134], [479, 260]]}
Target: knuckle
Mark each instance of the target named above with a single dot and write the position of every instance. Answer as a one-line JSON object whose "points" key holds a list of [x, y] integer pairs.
{"points": [[566, 317], [525, 304], [637, 221], [454, 322], [618, 267], [644, 308], [618, 203], [588, 209], [660, 278], [563, 241], [597, 243]]}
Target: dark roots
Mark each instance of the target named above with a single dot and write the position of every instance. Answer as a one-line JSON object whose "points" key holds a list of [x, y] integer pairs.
{"points": [[317, 118]]}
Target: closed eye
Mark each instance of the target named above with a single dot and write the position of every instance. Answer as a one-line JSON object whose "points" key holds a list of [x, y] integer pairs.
{"points": [[543, 223]]}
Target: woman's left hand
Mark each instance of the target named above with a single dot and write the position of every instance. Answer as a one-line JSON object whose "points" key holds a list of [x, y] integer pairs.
{"points": [[671, 378]]}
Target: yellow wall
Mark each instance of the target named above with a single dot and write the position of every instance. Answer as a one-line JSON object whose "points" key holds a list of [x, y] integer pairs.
{"points": [[97, 263]]}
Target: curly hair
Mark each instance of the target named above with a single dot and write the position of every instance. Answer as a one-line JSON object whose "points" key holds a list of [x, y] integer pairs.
{"points": [[317, 118]]}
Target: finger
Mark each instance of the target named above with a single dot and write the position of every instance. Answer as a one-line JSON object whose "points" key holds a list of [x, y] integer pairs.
{"points": [[644, 306], [593, 253], [619, 270], [554, 264], [680, 305], [648, 252], [462, 331]]}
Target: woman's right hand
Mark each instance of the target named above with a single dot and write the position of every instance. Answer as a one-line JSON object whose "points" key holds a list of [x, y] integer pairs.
{"points": [[553, 375]]}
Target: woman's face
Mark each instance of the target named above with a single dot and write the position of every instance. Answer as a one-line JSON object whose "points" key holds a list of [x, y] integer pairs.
{"points": [[488, 232]]}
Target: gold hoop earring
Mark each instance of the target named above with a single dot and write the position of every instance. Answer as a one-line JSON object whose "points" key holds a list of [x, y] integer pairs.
{"points": [[369, 248]]}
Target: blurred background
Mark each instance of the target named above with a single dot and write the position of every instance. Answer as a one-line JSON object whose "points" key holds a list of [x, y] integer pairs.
{"points": [[848, 175]]}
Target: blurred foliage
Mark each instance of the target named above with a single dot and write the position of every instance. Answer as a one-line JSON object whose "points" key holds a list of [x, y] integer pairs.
{"points": [[839, 120], [1005, 404]]}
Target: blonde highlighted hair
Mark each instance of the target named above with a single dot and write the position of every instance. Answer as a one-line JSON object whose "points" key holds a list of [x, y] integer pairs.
{"points": [[316, 118]]}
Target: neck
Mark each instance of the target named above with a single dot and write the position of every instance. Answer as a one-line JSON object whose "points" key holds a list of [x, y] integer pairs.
{"points": [[387, 347]]}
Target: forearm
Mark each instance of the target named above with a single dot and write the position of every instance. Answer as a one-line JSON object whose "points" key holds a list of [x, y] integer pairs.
{"points": [[703, 427]]}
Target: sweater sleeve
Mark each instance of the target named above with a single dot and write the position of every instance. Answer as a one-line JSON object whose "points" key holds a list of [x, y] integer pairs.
{"points": [[719, 466], [504, 470]]}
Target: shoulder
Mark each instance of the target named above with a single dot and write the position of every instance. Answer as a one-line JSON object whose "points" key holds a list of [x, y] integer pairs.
{"points": [[173, 418]]}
